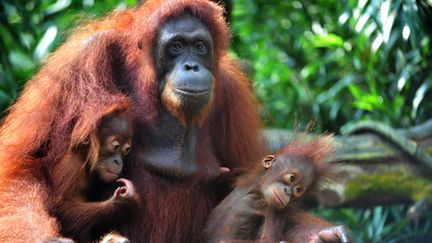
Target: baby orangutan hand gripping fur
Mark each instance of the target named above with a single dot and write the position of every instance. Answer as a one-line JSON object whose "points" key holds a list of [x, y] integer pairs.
{"points": [[79, 208], [264, 205]]}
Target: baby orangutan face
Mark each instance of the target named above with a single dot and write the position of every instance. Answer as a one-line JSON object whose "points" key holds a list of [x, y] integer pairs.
{"points": [[115, 143], [285, 180]]}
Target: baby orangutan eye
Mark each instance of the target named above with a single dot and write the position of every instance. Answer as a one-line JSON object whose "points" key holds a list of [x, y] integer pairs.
{"points": [[115, 145], [290, 178], [298, 190], [126, 149]]}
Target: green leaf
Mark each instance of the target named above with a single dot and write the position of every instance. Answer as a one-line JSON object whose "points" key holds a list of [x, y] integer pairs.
{"points": [[327, 40]]}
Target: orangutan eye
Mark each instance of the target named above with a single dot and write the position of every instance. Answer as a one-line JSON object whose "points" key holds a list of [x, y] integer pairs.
{"points": [[115, 145], [292, 177], [177, 46], [199, 45], [298, 190], [126, 149]]}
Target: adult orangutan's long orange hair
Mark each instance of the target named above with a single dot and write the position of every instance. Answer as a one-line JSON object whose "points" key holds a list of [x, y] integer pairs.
{"points": [[104, 63]]}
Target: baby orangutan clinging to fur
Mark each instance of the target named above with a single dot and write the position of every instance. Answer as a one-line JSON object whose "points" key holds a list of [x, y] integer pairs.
{"points": [[264, 205], [99, 164]]}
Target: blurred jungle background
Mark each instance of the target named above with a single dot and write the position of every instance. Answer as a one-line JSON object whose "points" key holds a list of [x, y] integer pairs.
{"points": [[329, 61]]}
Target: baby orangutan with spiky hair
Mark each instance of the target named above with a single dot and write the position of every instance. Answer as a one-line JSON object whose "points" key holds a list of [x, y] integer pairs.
{"points": [[264, 205]]}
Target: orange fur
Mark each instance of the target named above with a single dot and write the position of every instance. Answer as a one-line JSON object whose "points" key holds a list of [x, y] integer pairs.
{"points": [[173, 102], [104, 63], [70, 181], [249, 214], [317, 150], [24, 215]]}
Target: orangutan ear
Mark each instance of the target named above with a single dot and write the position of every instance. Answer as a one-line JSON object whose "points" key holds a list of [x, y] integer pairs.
{"points": [[267, 162]]}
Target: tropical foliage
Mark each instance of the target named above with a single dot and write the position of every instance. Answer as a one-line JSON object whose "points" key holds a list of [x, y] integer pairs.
{"points": [[30, 30], [338, 61]]}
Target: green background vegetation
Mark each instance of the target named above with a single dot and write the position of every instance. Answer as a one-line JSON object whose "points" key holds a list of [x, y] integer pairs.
{"points": [[329, 61]]}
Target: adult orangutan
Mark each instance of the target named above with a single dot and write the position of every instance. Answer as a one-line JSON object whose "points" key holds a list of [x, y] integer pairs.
{"points": [[195, 113]]}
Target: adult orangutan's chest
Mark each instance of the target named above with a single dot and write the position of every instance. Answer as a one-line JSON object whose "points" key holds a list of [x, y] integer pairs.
{"points": [[171, 210], [174, 151]]}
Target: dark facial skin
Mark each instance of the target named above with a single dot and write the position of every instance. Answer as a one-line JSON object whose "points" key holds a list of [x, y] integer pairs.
{"points": [[289, 185], [115, 137], [183, 53], [184, 62]]}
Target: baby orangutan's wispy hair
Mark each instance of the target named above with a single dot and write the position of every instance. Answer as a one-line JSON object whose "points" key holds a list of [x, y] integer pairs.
{"points": [[316, 150]]}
